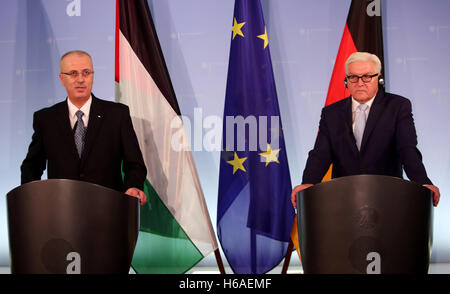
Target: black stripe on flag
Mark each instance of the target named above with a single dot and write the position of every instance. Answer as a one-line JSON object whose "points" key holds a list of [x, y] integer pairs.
{"points": [[137, 26], [366, 28]]}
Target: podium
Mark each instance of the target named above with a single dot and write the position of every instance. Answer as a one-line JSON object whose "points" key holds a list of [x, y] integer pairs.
{"points": [[365, 224], [60, 226]]}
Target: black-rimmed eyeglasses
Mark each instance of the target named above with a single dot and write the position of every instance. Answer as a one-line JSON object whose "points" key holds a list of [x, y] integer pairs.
{"points": [[364, 78]]}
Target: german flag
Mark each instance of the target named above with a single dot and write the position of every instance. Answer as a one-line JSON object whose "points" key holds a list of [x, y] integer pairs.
{"points": [[362, 33]]}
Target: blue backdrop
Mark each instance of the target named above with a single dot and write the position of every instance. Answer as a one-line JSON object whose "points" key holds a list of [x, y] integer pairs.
{"points": [[195, 37]]}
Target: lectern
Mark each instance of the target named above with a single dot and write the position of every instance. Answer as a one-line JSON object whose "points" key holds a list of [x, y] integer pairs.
{"points": [[365, 224], [60, 226]]}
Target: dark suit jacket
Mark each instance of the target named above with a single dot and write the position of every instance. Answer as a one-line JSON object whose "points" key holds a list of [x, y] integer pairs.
{"points": [[110, 139], [388, 145]]}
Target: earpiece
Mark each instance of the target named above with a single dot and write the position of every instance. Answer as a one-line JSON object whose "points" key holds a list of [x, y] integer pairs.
{"points": [[380, 82]]}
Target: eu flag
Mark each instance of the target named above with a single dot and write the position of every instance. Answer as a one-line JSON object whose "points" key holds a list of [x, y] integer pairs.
{"points": [[254, 217]]}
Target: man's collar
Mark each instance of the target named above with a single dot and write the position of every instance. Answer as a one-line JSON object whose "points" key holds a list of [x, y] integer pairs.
{"points": [[85, 108], [356, 103]]}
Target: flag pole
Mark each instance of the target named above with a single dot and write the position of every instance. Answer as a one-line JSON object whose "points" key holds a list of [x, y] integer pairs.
{"points": [[253, 250], [287, 258], [219, 261]]}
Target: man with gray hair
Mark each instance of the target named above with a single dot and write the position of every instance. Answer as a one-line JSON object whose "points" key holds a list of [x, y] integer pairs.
{"points": [[370, 132], [85, 138]]}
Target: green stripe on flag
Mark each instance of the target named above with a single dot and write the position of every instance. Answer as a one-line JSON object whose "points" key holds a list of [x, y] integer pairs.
{"points": [[162, 245]]}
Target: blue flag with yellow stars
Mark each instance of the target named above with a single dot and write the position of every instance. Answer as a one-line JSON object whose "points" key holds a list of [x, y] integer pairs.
{"points": [[254, 214]]}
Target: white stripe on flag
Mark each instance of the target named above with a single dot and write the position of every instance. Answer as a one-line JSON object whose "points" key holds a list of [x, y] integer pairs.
{"points": [[171, 173]]}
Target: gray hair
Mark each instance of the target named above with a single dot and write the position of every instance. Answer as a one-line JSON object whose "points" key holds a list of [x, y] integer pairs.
{"points": [[363, 56], [77, 52]]}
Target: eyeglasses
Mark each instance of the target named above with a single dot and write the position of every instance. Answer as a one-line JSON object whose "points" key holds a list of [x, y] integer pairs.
{"points": [[74, 74], [364, 78]]}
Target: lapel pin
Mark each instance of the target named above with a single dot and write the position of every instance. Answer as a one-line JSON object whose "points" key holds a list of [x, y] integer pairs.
{"points": [[99, 116]]}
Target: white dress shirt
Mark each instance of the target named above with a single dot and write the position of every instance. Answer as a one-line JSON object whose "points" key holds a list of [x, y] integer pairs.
{"points": [[73, 110], [355, 110]]}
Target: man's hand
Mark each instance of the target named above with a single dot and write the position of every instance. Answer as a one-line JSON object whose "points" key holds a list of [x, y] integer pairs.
{"points": [[436, 194], [295, 191], [135, 192]]}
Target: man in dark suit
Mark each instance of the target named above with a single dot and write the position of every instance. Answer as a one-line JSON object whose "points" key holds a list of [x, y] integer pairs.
{"points": [[85, 138], [370, 132]]}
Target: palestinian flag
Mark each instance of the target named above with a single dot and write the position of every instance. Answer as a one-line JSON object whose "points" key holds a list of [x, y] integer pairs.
{"points": [[175, 227], [363, 33]]}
